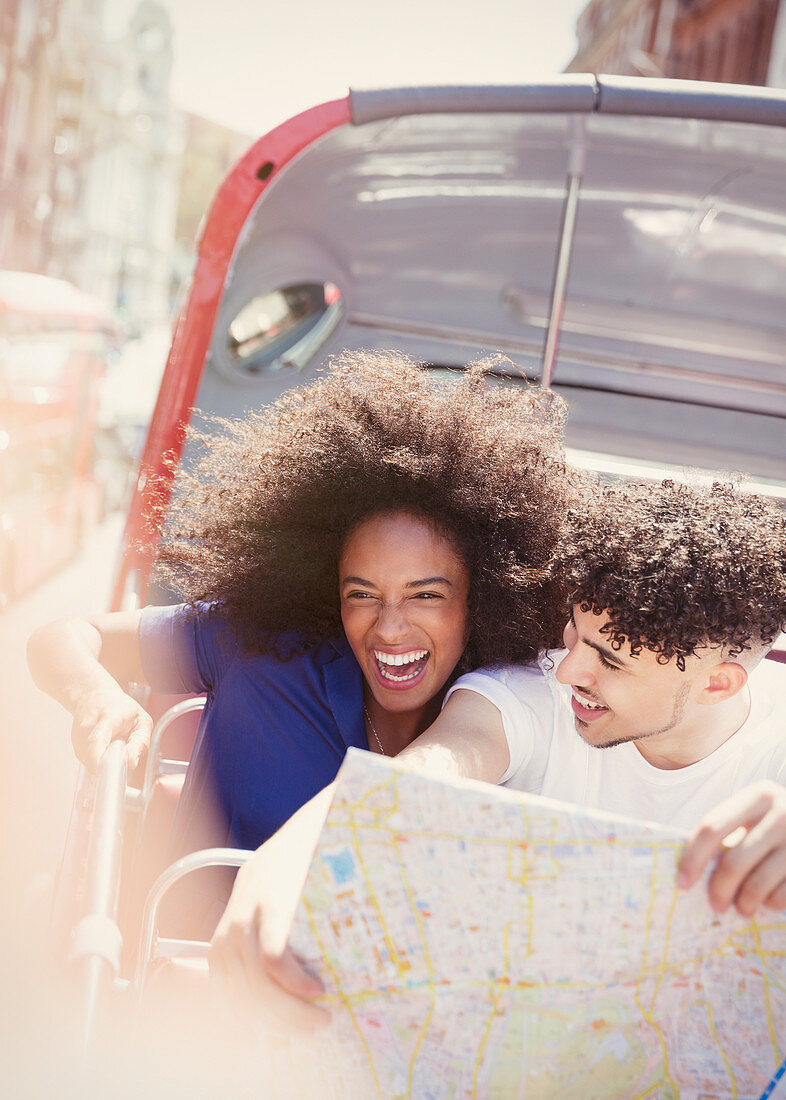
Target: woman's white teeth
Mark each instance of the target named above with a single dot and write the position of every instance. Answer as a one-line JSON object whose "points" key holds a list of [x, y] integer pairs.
{"points": [[388, 662], [400, 658]]}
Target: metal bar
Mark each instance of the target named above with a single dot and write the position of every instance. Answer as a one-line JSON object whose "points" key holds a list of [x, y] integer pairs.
{"points": [[567, 231], [434, 331], [695, 99], [566, 94], [210, 857], [181, 949], [96, 939], [580, 93], [172, 767], [154, 749]]}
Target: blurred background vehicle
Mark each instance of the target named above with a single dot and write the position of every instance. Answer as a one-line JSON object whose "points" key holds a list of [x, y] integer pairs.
{"points": [[54, 483]]}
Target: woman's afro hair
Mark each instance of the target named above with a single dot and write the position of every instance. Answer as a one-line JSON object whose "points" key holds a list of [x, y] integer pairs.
{"points": [[678, 566], [258, 522]]}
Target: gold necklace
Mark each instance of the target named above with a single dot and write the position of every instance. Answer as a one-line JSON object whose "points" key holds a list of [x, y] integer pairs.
{"points": [[371, 727]]}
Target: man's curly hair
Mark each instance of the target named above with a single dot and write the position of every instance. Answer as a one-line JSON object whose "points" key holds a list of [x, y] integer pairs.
{"points": [[259, 523], [678, 566]]}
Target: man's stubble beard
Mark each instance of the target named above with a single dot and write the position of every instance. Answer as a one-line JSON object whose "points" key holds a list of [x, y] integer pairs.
{"points": [[677, 714]]}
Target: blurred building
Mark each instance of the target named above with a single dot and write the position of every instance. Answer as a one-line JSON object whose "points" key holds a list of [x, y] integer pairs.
{"points": [[118, 229], [30, 59], [91, 150], [740, 41], [209, 153]]}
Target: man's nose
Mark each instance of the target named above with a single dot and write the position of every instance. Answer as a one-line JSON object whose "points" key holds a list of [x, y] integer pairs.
{"points": [[576, 667]]}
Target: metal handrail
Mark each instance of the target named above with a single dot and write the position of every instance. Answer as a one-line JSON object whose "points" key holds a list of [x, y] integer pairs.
{"points": [[576, 164], [96, 939], [150, 948], [152, 764], [580, 93]]}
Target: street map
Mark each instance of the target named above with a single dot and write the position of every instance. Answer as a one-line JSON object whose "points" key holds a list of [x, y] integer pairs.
{"points": [[480, 942]]}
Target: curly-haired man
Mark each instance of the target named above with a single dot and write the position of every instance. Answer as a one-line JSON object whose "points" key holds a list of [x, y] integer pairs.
{"points": [[677, 592]]}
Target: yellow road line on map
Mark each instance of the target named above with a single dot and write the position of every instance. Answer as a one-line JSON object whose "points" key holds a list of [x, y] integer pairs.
{"points": [[342, 996], [735, 1094], [659, 1035], [664, 965], [765, 980], [495, 842], [432, 988], [739, 934], [648, 1013], [648, 924], [482, 1048], [521, 879], [373, 897], [384, 786], [648, 1092], [524, 842]]}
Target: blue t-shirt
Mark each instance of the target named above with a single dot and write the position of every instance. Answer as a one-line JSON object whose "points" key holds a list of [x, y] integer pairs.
{"points": [[274, 732]]}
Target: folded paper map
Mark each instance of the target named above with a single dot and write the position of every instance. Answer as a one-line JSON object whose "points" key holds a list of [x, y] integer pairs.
{"points": [[479, 942]]}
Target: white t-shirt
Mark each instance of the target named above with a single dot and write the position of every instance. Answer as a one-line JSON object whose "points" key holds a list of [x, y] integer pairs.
{"points": [[548, 757]]}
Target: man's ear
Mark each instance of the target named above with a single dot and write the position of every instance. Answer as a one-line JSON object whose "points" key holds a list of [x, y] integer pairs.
{"points": [[722, 682]]}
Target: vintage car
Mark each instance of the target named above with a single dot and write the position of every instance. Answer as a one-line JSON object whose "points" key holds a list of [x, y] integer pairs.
{"points": [[621, 241]]}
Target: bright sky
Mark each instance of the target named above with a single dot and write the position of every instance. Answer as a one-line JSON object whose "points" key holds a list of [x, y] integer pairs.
{"points": [[250, 64]]}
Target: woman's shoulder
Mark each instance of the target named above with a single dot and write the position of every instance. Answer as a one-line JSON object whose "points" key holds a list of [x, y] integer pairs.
{"points": [[212, 624], [214, 640]]}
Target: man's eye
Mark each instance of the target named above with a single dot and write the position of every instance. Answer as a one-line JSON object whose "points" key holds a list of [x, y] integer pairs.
{"points": [[608, 664]]}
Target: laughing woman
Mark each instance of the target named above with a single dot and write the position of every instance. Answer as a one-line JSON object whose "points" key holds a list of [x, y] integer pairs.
{"points": [[342, 557]]}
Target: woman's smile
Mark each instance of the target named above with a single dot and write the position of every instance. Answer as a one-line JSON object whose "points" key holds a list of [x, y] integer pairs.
{"points": [[401, 669]]}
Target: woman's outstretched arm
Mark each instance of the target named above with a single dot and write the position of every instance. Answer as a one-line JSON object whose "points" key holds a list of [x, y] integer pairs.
{"points": [[82, 663]]}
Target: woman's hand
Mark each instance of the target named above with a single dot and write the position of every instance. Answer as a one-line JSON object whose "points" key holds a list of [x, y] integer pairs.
{"points": [[82, 664], [249, 955], [750, 869], [108, 714]]}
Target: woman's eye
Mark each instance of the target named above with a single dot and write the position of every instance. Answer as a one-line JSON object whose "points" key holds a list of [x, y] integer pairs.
{"points": [[429, 596]]}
